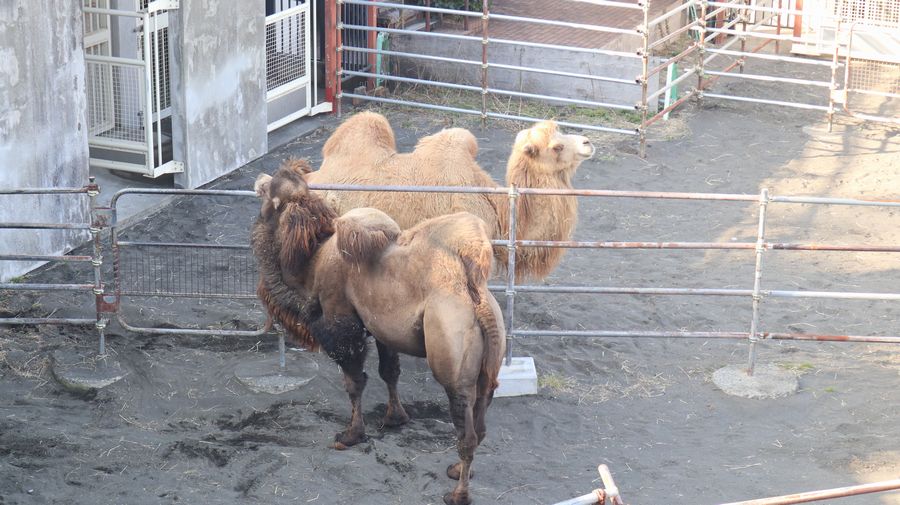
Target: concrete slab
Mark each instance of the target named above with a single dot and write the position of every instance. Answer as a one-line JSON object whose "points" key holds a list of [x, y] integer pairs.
{"points": [[84, 370], [263, 375], [518, 378], [767, 381]]}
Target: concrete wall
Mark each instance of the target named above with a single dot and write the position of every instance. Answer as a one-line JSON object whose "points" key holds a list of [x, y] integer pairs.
{"points": [[529, 82], [219, 87], [43, 133]]}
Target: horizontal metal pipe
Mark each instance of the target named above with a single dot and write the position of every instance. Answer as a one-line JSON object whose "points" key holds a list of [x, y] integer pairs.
{"points": [[41, 191], [218, 296], [496, 115], [840, 492], [560, 99], [870, 117], [115, 60], [112, 12], [674, 59], [412, 80], [833, 295], [45, 226], [562, 48], [410, 7], [292, 11], [608, 3], [673, 34], [835, 201], [182, 192], [594, 290], [768, 78], [775, 10], [23, 286], [761, 35], [771, 57], [669, 14], [771, 246], [48, 320], [177, 244], [398, 31], [412, 104], [882, 94], [833, 338], [674, 105], [187, 331], [629, 334], [410, 55], [41, 257], [675, 82], [592, 498], [769, 102], [565, 24]]}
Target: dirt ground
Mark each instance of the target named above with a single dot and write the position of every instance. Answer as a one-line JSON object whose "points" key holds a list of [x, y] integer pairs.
{"points": [[179, 428]]}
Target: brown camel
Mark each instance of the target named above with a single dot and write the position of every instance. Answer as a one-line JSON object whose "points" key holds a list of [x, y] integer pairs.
{"points": [[421, 292], [362, 150]]}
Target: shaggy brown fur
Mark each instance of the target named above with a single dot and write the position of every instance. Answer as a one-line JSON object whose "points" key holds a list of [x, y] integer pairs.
{"points": [[421, 292], [363, 151]]}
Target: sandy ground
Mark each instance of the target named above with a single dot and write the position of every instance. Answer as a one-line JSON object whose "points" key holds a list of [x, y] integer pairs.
{"points": [[180, 429]]}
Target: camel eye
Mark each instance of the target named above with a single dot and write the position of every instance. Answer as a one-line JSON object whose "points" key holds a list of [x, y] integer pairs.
{"points": [[558, 148]]}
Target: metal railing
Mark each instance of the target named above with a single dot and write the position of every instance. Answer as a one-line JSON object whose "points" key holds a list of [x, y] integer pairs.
{"points": [[96, 287], [757, 294], [729, 30]]}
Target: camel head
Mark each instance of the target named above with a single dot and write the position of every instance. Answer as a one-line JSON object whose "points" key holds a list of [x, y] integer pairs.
{"points": [[546, 151], [300, 220]]}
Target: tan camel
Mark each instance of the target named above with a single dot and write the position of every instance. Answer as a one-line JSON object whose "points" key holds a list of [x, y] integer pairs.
{"points": [[362, 150], [421, 292]]}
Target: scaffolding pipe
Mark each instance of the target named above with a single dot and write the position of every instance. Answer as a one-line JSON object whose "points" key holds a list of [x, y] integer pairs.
{"points": [[768, 102], [672, 84], [840, 492], [787, 80], [757, 277], [511, 267], [683, 7], [770, 57]]}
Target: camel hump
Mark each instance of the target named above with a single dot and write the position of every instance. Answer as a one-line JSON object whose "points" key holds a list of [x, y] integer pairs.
{"points": [[450, 141], [363, 233], [360, 132]]}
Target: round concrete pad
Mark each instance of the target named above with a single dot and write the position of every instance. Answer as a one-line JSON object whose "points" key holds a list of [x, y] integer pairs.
{"points": [[767, 381], [84, 370], [263, 375]]}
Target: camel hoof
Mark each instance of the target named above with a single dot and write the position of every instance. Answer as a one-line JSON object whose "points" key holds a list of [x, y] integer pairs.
{"points": [[344, 440], [457, 499], [394, 420], [454, 472]]}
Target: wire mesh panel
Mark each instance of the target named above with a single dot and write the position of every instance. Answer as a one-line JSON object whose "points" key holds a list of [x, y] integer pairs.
{"points": [[115, 100], [354, 15], [881, 13], [873, 87], [193, 270], [286, 48]]}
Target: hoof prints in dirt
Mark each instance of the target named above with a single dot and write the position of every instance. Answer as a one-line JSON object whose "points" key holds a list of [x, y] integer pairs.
{"points": [[216, 455]]}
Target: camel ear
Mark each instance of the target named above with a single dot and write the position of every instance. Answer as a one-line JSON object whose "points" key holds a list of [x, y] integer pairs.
{"points": [[276, 202], [530, 150]]}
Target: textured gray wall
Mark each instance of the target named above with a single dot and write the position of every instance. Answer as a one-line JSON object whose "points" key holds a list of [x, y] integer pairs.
{"points": [[43, 134], [219, 91], [528, 82]]}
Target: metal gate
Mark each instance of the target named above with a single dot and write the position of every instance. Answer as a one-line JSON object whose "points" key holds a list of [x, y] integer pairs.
{"points": [[291, 88], [127, 86]]}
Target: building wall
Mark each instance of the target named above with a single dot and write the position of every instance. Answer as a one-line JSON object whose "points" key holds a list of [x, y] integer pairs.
{"points": [[43, 134], [219, 91]]}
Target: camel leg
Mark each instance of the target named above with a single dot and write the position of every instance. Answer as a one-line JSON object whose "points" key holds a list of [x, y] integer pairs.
{"points": [[389, 370], [345, 343], [461, 410]]}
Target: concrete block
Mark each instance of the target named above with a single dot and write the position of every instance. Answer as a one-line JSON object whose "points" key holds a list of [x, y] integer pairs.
{"points": [[264, 375], [519, 378]]}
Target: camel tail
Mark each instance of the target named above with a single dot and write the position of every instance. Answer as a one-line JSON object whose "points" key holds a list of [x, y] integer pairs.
{"points": [[477, 263]]}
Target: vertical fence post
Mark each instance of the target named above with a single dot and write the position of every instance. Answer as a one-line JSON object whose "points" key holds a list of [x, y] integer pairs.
{"points": [[778, 28], [645, 67], [150, 159], [511, 270], [372, 43], [485, 17], [701, 50], [757, 276], [339, 60], [97, 261], [834, 85]]}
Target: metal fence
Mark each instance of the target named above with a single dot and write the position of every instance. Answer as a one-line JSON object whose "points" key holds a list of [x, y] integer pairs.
{"points": [[173, 269], [724, 37], [93, 286]]}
